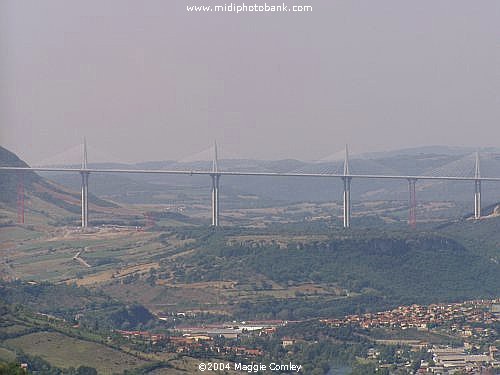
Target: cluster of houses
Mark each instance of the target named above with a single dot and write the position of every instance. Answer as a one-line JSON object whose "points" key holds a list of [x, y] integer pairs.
{"points": [[469, 320], [423, 317], [192, 339]]}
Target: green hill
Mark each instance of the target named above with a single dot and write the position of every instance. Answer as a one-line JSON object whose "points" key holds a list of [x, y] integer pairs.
{"points": [[376, 269]]}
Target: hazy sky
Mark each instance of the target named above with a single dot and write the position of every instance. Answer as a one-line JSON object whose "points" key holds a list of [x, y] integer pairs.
{"points": [[146, 80]]}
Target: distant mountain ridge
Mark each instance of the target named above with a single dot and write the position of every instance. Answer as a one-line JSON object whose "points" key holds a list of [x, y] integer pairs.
{"points": [[411, 161], [431, 160], [149, 189]]}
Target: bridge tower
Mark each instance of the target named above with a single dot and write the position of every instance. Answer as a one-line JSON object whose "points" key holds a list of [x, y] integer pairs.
{"points": [[215, 175], [347, 190], [85, 187], [412, 203], [477, 190]]}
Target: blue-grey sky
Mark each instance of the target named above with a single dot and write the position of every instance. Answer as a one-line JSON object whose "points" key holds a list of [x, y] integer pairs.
{"points": [[147, 80]]}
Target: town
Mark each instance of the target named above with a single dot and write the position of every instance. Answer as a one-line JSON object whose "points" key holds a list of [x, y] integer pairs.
{"points": [[474, 326]]}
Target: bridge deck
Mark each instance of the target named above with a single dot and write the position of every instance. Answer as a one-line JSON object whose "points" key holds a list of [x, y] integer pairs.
{"points": [[236, 173]]}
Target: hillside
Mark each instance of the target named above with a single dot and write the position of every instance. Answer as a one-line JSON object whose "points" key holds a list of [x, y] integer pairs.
{"points": [[9, 180], [44, 199], [373, 269], [51, 343], [274, 272]]}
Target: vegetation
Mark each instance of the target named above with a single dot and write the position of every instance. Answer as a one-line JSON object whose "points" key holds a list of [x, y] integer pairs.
{"points": [[299, 269], [378, 270], [89, 308]]}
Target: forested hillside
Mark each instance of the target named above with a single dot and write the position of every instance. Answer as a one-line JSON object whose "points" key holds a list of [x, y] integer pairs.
{"points": [[376, 270]]}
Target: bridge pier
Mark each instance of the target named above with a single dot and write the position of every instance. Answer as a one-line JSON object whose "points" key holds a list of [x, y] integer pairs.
{"points": [[412, 203], [85, 187], [477, 199], [347, 201], [215, 188], [347, 190], [20, 197], [85, 199], [477, 190], [215, 199]]}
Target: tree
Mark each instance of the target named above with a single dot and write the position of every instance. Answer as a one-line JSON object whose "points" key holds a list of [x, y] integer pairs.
{"points": [[11, 369], [85, 370]]}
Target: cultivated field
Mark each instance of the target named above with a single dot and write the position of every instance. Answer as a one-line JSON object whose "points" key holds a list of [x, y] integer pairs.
{"points": [[65, 352]]}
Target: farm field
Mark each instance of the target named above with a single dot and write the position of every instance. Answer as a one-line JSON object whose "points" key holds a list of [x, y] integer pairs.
{"points": [[7, 355], [63, 351], [51, 257]]}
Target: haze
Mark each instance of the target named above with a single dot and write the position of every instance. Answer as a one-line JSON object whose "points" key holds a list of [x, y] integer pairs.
{"points": [[150, 81]]}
